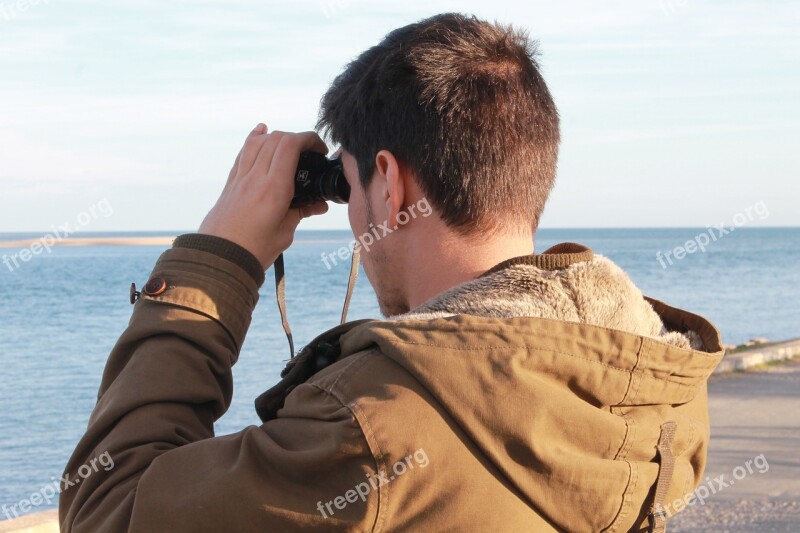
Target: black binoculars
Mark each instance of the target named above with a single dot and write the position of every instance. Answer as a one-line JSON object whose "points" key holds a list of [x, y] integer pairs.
{"points": [[319, 178]]}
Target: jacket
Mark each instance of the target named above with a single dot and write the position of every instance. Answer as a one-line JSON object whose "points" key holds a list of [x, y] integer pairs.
{"points": [[548, 394]]}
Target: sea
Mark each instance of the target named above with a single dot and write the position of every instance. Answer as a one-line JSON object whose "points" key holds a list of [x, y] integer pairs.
{"points": [[62, 311]]}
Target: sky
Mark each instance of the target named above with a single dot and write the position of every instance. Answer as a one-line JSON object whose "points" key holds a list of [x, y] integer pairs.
{"points": [[674, 113]]}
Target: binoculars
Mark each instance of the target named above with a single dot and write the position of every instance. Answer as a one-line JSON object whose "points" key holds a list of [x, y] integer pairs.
{"points": [[319, 178]]}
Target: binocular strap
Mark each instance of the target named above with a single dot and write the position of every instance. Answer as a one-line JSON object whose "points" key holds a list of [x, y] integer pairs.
{"points": [[280, 293]]}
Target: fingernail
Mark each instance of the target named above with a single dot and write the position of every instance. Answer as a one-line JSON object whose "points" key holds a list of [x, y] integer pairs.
{"points": [[260, 128]]}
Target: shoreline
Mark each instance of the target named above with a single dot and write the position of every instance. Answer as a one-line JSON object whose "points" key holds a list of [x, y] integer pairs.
{"points": [[92, 241], [130, 241], [35, 522]]}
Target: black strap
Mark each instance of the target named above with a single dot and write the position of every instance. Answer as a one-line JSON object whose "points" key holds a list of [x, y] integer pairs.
{"points": [[280, 293], [351, 281]]}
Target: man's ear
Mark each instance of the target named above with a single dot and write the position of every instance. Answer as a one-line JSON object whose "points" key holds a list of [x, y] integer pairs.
{"points": [[395, 177]]}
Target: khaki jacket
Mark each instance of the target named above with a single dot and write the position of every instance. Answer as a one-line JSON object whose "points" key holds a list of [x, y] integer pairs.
{"points": [[546, 395]]}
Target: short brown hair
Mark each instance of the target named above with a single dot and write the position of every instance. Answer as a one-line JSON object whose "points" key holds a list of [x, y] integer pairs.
{"points": [[460, 102]]}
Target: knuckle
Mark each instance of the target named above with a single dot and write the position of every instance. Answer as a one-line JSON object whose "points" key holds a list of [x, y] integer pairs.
{"points": [[291, 139], [254, 140]]}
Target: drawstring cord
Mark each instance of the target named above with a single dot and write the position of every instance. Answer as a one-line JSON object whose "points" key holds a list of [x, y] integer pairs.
{"points": [[280, 293]]}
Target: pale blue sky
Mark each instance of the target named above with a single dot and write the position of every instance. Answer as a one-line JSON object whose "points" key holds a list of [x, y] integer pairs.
{"points": [[674, 112]]}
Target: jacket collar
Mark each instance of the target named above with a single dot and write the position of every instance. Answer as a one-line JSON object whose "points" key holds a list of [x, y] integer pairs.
{"points": [[558, 256], [567, 282]]}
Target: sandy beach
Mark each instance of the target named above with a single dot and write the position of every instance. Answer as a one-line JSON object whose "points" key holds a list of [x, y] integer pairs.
{"points": [[94, 241], [133, 241]]}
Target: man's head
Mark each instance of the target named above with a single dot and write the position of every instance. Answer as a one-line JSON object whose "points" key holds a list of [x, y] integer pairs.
{"points": [[452, 110]]}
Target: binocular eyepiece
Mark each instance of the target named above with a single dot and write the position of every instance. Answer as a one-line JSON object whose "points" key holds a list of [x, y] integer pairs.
{"points": [[319, 178]]}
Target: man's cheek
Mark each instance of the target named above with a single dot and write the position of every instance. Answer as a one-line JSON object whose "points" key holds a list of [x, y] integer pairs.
{"points": [[352, 217]]}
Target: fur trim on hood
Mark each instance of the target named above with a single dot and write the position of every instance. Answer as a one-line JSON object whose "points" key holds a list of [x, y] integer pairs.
{"points": [[567, 282]]}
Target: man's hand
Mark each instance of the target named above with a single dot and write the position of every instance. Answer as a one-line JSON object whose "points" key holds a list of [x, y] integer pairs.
{"points": [[253, 209]]}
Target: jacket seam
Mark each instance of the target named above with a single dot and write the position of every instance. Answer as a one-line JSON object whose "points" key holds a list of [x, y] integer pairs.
{"points": [[383, 493], [236, 337], [636, 377], [533, 348], [213, 264], [232, 309], [627, 443], [178, 304], [571, 322], [506, 348], [187, 296], [625, 508], [353, 366], [235, 289], [361, 419]]}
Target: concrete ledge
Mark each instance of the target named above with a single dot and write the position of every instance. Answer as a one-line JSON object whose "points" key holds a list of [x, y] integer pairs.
{"points": [[45, 522], [758, 356]]}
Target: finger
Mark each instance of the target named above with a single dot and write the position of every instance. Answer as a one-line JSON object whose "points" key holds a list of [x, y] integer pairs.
{"points": [[251, 147], [234, 168], [265, 157], [281, 169], [318, 144], [317, 208]]}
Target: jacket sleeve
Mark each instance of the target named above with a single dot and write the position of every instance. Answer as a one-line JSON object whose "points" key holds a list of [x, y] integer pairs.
{"points": [[149, 460]]}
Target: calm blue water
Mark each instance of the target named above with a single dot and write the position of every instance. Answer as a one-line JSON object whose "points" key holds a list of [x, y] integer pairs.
{"points": [[61, 313]]}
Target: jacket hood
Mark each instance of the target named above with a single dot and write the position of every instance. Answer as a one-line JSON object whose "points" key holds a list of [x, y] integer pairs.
{"points": [[548, 362]]}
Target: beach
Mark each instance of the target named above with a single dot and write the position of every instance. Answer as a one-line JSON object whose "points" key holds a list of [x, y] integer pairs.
{"points": [[89, 241]]}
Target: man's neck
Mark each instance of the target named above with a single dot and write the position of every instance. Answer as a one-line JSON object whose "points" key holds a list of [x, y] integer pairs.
{"points": [[438, 264]]}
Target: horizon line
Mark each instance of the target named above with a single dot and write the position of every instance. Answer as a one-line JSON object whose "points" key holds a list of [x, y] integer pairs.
{"points": [[550, 228]]}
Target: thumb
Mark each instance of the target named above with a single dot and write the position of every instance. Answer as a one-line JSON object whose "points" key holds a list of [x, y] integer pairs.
{"points": [[317, 208]]}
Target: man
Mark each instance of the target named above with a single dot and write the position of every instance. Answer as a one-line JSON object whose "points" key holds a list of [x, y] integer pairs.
{"points": [[505, 391]]}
